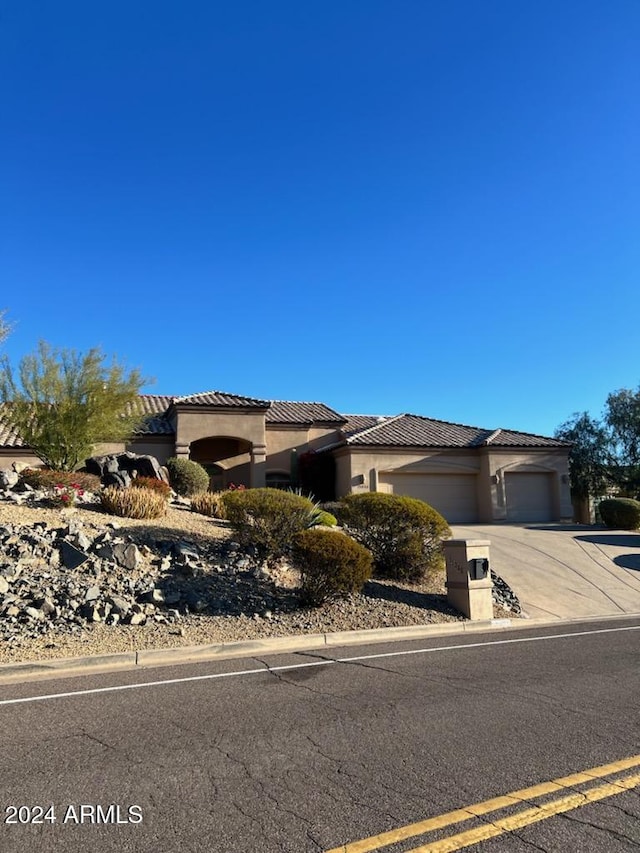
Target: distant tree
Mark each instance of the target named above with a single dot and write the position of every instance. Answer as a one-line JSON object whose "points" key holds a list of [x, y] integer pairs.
{"points": [[5, 327], [64, 403], [589, 457], [622, 416]]}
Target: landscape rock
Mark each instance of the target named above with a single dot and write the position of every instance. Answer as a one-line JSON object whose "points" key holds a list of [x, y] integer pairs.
{"points": [[121, 468]]}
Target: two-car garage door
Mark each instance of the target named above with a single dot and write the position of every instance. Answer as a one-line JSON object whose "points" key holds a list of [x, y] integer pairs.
{"points": [[453, 495]]}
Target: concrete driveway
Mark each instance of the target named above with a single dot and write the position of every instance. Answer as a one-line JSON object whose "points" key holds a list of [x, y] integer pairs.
{"points": [[564, 571]]}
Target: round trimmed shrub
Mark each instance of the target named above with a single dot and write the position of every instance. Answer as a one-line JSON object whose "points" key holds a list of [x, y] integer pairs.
{"points": [[623, 513], [330, 564], [326, 518], [187, 477], [404, 534], [266, 519]]}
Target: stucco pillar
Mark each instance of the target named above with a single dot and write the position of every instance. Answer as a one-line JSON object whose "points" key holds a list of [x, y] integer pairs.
{"points": [[469, 581], [182, 451], [258, 466]]}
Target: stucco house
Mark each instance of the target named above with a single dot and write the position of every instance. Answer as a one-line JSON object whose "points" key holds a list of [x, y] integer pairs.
{"points": [[467, 473]]}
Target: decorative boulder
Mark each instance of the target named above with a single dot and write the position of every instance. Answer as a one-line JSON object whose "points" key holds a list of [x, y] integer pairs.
{"points": [[121, 468]]}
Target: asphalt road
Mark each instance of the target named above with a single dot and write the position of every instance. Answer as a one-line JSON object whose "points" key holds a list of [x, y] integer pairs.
{"points": [[314, 755]]}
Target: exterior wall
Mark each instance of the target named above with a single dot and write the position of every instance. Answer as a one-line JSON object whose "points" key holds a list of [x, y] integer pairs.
{"points": [[206, 423], [343, 472], [320, 437], [162, 448], [282, 440], [367, 464], [10, 455], [550, 460]]}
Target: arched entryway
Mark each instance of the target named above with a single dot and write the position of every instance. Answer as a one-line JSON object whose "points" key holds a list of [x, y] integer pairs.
{"points": [[227, 459]]}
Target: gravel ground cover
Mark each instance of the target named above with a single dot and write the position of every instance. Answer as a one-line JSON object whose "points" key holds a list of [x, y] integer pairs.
{"points": [[239, 601]]}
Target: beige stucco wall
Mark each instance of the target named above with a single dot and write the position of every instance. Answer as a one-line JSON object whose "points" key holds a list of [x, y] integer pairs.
{"points": [[162, 449], [367, 464], [343, 472], [11, 455], [192, 425], [282, 440]]}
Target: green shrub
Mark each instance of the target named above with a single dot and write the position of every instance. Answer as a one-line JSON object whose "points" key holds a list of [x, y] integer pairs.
{"points": [[324, 518], [208, 503], [403, 534], [623, 513], [153, 484], [330, 564], [46, 478], [133, 503], [266, 519], [187, 477]]}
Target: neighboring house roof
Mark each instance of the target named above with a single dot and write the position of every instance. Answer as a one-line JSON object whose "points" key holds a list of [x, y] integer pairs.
{"points": [[408, 430], [290, 412]]}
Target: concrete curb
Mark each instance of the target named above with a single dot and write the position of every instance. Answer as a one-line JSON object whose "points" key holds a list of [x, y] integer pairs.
{"points": [[273, 645]]}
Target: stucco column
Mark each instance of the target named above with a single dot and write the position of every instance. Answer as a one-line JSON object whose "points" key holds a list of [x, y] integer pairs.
{"points": [[258, 466], [469, 581], [182, 451]]}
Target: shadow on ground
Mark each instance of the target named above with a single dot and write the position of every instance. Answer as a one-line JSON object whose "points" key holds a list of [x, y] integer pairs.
{"points": [[619, 540], [423, 600]]}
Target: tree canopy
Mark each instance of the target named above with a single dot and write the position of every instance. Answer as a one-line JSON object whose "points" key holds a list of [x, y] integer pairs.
{"points": [[5, 327], [589, 457], [605, 452], [63, 403]]}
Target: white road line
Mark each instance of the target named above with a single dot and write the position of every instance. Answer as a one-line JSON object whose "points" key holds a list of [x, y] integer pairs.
{"points": [[323, 662]]}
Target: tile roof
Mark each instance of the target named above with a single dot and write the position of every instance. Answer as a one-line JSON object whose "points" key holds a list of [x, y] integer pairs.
{"points": [[357, 423], [290, 412], [408, 430], [221, 398], [8, 438], [513, 438], [404, 430]]}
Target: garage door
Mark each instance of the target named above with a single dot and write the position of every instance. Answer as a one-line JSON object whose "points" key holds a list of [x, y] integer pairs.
{"points": [[453, 495], [529, 497]]}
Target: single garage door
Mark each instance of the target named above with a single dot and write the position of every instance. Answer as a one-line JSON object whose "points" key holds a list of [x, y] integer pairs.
{"points": [[529, 497], [453, 495]]}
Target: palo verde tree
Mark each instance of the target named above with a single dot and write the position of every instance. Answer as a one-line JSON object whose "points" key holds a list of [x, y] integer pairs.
{"points": [[63, 403]]}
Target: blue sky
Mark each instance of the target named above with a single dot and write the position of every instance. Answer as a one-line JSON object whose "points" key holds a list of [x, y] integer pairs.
{"points": [[384, 205]]}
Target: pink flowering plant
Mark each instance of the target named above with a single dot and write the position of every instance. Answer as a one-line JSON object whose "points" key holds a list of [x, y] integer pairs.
{"points": [[66, 495]]}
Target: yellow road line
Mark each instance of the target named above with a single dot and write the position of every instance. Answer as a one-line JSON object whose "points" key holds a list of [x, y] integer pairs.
{"points": [[528, 816], [375, 842]]}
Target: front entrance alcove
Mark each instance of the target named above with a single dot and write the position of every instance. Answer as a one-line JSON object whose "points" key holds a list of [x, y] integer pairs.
{"points": [[229, 460]]}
